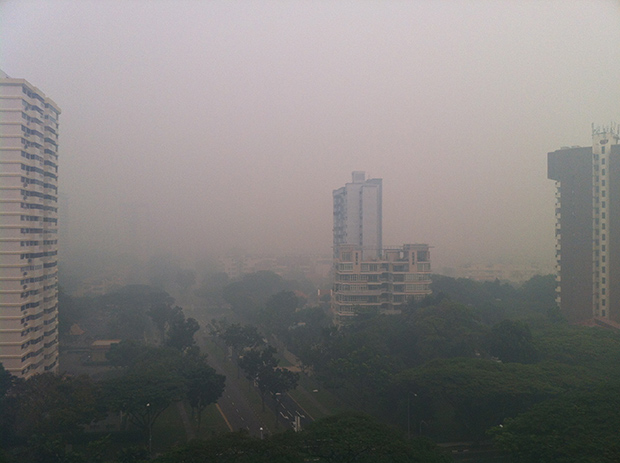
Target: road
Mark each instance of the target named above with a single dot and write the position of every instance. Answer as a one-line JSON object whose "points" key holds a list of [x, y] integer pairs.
{"points": [[233, 405]]}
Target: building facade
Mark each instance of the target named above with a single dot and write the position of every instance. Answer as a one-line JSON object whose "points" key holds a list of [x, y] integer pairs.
{"points": [[28, 228], [358, 215], [588, 228], [383, 284]]}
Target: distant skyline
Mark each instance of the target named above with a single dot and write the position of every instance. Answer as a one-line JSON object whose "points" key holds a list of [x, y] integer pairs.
{"points": [[232, 122]]}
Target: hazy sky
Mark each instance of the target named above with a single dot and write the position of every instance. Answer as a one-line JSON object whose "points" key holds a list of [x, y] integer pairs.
{"points": [[226, 124]]}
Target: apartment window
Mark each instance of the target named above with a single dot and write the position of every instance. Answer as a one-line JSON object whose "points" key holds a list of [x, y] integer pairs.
{"points": [[603, 226], [603, 259], [603, 302], [603, 193], [604, 269], [603, 291], [603, 215], [603, 182], [603, 172], [603, 161], [603, 204], [603, 237], [603, 150], [603, 248], [603, 280]]}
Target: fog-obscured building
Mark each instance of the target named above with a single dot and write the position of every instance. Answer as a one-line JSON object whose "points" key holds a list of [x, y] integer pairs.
{"points": [[383, 283], [588, 228], [28, 228], [358, 215]]}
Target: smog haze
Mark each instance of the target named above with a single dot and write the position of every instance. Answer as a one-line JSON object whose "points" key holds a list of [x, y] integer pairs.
{"points": [[197, 127]]}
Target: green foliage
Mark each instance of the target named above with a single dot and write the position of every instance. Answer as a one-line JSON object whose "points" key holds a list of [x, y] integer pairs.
{"points": [[249, 295], [56, 404], [483, 393], [203, 386], [580, 426], [279, 311], [180, 334], [511, 341], [237, 447], [143, 395], [354, 437], [239, 336], [339, 438], [122, 314], [158, 376], [261, 366], [495, 301]]}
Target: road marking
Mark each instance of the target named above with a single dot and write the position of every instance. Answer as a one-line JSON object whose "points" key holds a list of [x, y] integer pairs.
{"points": [[305, 411], [224, 416]]}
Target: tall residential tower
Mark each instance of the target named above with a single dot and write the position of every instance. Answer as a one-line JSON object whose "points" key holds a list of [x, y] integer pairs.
{"points": [[368, 277], [588, 228], [358, 215], [28, 228]]}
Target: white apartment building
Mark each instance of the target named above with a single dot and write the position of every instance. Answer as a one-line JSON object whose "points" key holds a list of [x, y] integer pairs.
{"points": [[358, 215], [28, 228]]}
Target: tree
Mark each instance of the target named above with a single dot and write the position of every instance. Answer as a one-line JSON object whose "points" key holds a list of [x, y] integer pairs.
{"points": [[7, 406], [241, 337], [125, 353], [255, 363], [57, 405], [238, 447], [279, 310], [161, 314], [581, 426], [483, 393], [181, 331], [352, 437], [144, 394], [511, 341], [203, 385]]}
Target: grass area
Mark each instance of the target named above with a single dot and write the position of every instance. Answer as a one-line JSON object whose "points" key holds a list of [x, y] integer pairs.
{"points": [[168, 430], [212, 422], [327, 401]]}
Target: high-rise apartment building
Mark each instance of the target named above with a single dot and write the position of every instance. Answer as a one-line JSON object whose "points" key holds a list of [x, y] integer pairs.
{"points": [[28, 228], [588, 228], [368, 277], [358, 215]]}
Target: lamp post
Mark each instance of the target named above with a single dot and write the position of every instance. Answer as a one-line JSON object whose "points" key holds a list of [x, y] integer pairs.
{"points": [[261, 433]]}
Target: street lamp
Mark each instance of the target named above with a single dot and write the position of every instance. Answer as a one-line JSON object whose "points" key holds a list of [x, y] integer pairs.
{"points": [[261, 433]]}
